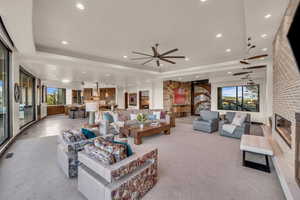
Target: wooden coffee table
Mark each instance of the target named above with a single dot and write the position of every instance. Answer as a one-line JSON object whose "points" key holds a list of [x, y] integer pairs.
{"points": [[149, 130]]}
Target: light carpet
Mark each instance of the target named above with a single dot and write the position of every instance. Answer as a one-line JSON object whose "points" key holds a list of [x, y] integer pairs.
{"points": [[192, 166]]}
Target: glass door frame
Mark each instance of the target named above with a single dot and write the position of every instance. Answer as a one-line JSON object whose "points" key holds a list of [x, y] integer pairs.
{"points": [[8, 99], [24, 71]]}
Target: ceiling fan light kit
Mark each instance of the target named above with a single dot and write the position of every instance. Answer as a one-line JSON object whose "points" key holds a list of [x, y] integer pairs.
{"points": [[158, 57]]}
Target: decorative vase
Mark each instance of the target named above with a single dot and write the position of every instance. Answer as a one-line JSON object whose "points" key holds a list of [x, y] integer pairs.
{"points": [[141, 125]]}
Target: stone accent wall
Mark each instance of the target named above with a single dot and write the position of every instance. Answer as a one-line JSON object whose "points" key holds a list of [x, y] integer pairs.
{"points": [[286, 83], [169, 87]]}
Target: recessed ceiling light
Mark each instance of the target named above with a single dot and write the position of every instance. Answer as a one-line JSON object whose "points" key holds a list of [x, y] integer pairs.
{"points": [[186, 59], [228, 50], [262, 58], [84, 72], [125, 56], [161, 65], [268, 16], [107, 74], [264, 35], [264, 49], [219, 35], [229, 72], [203, 0], [66, 81], [64, 42], [80, 6]]}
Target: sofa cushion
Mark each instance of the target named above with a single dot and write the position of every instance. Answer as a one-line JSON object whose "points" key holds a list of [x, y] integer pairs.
{"points": [[133, 116], [87, 133], [71, 136], [152, 117], [163, 115], [157, 114], [239, 119], [99, 154], [108, 117], [119, 151]]}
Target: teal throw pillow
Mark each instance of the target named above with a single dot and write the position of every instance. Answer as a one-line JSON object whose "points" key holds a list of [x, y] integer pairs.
{"points": [[108, 117], [88, 134]]}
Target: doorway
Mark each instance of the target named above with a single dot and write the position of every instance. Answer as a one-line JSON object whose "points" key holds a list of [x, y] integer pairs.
{"points": [[144, 99]]}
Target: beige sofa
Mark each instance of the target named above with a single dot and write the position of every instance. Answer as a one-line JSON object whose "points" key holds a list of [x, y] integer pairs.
{"points": [[122, 119]]}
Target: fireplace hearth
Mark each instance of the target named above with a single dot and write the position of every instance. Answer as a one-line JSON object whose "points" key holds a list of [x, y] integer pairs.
{"points": [[283, 127]]}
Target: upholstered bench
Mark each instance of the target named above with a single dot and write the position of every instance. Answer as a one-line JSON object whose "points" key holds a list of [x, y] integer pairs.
{"points": [[130, 178], [258, 145]]}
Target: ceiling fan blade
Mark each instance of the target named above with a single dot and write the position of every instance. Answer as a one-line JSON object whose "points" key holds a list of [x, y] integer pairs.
{"points": [[169, 61], [168, 52], [154, 51], [173, 57], [139, 53], [257, 57], [141, 58], [157, 63], [244, 62], [147, 61], [256, 67], [241, 73]]}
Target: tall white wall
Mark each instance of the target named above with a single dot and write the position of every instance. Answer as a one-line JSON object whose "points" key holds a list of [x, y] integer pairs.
{"points": [[155, 93], [68, 96]]}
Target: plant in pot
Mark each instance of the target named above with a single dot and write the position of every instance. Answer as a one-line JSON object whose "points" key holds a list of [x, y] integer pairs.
{"points": [[142, 119]]}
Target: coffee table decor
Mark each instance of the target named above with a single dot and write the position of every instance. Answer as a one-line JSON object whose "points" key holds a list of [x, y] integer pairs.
{"points": [[142, 118]]}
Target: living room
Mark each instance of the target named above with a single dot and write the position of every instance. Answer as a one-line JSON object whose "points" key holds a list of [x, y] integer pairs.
{"points": [[140, 100]]}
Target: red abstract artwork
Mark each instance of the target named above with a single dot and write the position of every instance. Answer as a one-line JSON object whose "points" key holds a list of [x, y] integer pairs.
{"points": [[179, 96]]}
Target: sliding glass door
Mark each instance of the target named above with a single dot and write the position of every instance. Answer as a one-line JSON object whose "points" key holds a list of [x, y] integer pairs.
{"points": [[4, 97], [27, 101]]}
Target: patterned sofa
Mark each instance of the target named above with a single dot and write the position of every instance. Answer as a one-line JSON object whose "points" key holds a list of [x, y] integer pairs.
{"points": [[122, 118], [130, 178], [67, 150]]}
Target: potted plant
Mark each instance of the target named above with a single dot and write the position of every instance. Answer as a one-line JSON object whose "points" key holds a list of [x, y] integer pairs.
{"points": [[141, 117]]}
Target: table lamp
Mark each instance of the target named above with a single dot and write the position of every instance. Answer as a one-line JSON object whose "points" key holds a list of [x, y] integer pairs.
{"points": [[91, 108]]}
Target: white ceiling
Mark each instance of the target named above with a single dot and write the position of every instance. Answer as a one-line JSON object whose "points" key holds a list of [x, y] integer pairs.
{"points": [[105, 31], [112, 29]]}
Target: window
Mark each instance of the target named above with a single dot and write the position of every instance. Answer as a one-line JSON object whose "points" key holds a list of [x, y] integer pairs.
{"points": [[4, 96], [27, 100], [56, 96], [239, 98]]}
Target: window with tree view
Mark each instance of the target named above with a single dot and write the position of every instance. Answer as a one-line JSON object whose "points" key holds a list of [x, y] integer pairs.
{"points": [[56, 96], [239, 98]]}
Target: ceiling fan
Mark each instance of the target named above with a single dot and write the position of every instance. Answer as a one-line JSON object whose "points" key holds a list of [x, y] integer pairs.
{"points": [[158, 57], [247, 77], [250, 46]]}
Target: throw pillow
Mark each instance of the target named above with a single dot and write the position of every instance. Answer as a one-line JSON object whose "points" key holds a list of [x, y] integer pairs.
{"points": [[157, 114], [239, 119], [133, 116], [128, 147], [152, 117], [88, 134], [163, 115], [108, 117]]}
